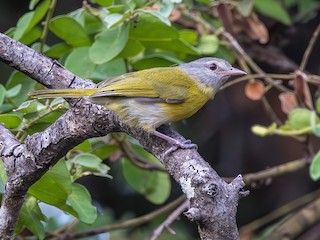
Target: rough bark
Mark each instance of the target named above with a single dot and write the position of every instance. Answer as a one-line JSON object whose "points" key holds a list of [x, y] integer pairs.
{"points": [[213, 201]]}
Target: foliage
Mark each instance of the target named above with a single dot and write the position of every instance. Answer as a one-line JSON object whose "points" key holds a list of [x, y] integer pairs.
{"points": [[106, 38]]}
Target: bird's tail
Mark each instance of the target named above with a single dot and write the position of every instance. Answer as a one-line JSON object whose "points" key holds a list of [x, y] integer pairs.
{"points": [[67, 93]]}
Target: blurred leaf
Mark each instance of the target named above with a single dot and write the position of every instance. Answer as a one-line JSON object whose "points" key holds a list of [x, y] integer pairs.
{"points": [[158, 15], [288, 101], [7, 107], [299, 118], [57, 101], [208, 44], [314, 169], [84, 146], [10, 120], [30, 19], [2, 94], [150, 28], [54, 186], [12, 92], [87, 160], [263, 131], [31, 217], [254, 89], [190, 36], [79, 63], [28, 106], [175, 45], [314, 121], [104, 3], [70, 31], [225, 53], [31, 36], [80, 201], [27, 83], [318, 105], [109, 44], [273, 9], [155, 60], [105, 151], [245, 7], [113, 19], [109, 69], [132, 48], [32, 4], [154, 186], [58, 50]]}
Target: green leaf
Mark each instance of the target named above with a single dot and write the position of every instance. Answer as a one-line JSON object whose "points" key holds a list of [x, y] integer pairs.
{"points": [[314, 169], [104, 3], [28, 106], [87, 160], [132, 48], [158, 15], [30, 19], [32, 4], [27, 83], [10, 120], [150, 28], [318, 105], [80, 201], [104, 151], [154, 186], [79, 63], [299, 118], [109, 69], [175, 45], [70, 31], [188, 36], [31, 217], [208, 44], [54, 186], [155, 60], [2, 94], [22, 25], [58, 50], [314, 121], [273, 9], [109, 44], [13, 91], [245, 7], [84, 146], [31, 36]]}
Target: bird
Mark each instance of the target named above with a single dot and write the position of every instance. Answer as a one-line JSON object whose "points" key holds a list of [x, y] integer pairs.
{"points": [[149, 98]]}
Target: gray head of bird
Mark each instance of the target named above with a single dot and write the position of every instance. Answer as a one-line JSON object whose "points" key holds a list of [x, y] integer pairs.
{"points": [[213, 72]]}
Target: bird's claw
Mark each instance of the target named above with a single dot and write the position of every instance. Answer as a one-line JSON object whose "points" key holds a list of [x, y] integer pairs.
{"points": [[183, 145]]}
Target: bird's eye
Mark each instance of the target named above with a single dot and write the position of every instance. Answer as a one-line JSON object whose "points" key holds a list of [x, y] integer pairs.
{"points": [[213, 66]]}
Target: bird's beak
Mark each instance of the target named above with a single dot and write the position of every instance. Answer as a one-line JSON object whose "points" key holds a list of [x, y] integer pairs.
{"points": [[233, 72]]}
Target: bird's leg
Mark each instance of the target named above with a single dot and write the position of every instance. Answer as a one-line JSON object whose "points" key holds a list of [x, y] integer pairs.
{"points": [[175, 143]]}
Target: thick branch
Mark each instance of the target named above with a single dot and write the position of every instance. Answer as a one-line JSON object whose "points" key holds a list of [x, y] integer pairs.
{"points": [[213, 201]]}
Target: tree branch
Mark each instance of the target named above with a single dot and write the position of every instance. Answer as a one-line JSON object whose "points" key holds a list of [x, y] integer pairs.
{"points": [[213, 202]]}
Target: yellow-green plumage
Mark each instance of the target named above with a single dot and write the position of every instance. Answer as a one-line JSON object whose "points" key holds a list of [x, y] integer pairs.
{"points": [[152, 97]]}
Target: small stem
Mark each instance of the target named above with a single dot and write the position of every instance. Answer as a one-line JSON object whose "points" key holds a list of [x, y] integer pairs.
{"points": [[282, 211], [131, 222], [309, 48], [21, 133], [44, 34]]}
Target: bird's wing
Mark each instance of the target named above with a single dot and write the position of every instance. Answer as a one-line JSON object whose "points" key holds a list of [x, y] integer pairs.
{"points": [[158, 84]]}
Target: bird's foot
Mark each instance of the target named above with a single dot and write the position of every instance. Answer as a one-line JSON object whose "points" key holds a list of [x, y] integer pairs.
{"points": [[183, 145]]}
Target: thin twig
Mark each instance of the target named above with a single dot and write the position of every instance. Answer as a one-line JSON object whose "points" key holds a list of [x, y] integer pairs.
{"points": [[309, 48], [172, 217], [137, 160], [279, 170], [43, 37], [131, 222], [282, 211]]}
